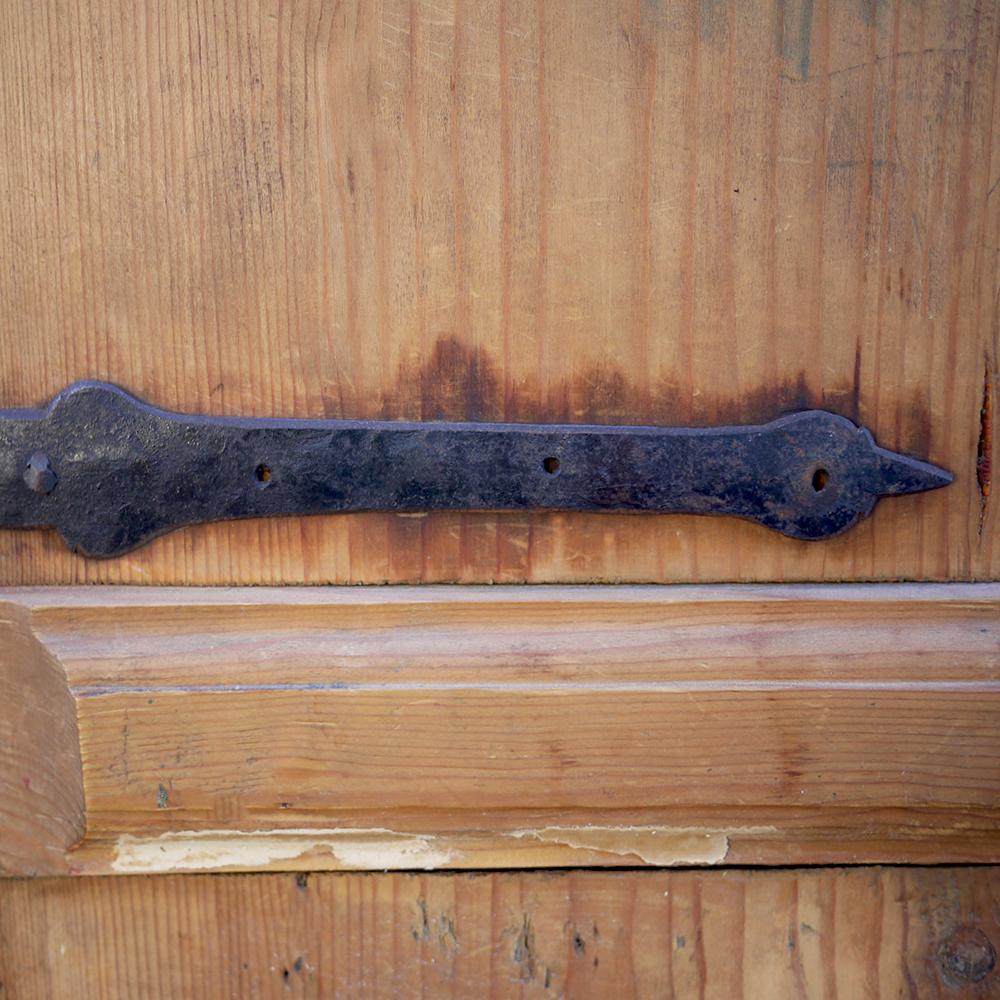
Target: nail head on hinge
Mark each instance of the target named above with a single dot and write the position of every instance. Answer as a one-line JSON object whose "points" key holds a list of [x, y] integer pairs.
{"points": [[39, 475]]}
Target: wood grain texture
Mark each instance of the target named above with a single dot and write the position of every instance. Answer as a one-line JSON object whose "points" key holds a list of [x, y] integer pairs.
{"points": [[621, 211], [448, 727], [860, 934]]}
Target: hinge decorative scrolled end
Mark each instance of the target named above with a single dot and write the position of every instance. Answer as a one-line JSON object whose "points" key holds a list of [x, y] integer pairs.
{"points": [[111, 472]]}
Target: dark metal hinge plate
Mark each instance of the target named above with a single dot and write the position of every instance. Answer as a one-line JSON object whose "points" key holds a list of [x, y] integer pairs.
{"points": [[111, 472]]}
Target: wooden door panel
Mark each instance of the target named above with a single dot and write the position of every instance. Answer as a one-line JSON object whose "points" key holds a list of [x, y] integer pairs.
{"points": [[622, 211], [632, 211]]}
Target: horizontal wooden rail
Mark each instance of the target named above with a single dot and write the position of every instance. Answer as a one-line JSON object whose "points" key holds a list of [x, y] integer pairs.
{"points": [[148, 730]]}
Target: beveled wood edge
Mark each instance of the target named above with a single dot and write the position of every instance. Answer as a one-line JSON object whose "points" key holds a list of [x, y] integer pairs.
{"points": [[41, 780]]}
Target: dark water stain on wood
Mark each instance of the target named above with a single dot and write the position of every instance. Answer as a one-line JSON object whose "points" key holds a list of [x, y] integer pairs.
{"points": [[462, 383], [523, 955], [713, 21], [915, 431], [871, 11], [794, 41], [805, 38], [423, 932], [459, 382]]}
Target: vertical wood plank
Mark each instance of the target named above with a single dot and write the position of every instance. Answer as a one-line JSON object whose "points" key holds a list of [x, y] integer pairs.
{"points": [[859, 933]]}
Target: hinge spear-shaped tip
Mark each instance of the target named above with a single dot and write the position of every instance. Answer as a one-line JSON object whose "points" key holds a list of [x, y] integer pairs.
{"points": [[900, 474]]}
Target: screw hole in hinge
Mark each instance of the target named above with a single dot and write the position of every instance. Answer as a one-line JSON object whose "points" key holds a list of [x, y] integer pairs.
{"points": [[550, 465], [263, 475], [820, 478]]}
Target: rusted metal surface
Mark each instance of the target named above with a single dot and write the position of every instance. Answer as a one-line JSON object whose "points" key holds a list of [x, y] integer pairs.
{"points": [[111, 473]]}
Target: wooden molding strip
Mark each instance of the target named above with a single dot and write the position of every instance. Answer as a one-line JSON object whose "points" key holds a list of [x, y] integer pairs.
{"points": [[161, 729]]}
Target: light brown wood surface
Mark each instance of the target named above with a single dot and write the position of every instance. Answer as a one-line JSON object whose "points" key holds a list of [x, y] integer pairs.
{"points": [[443, 727], [859, 934], [629, 210]]}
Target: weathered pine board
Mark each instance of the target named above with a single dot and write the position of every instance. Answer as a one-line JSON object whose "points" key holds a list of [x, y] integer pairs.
{"points": [[848, 934], [160, 729], [620, 211]]}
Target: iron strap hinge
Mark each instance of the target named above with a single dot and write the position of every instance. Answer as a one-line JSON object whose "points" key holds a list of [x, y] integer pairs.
{"points": [[111, 472]]}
